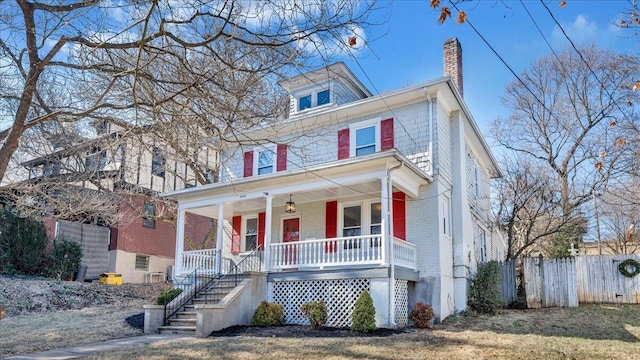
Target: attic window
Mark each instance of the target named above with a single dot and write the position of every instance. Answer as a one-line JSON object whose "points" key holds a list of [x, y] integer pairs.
{"points": [[304, 102], [323, 97]]}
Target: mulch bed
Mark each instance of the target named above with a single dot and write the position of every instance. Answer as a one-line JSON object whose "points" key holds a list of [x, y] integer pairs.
{"points": [[299, 331]]}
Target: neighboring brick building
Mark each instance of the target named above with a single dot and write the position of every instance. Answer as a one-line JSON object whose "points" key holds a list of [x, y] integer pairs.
{"points": [[137, 169]]}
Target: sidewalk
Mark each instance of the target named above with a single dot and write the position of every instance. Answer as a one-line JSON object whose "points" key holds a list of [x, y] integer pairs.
{"points": [[95, 348]]}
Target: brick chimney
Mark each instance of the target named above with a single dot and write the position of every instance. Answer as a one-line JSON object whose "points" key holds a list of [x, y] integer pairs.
{"points": [[452, 58]]}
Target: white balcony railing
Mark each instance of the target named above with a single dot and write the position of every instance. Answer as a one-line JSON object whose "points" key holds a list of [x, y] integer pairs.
{"points": [[203, 260], [356, 250], [339, 252], [404, 254]]}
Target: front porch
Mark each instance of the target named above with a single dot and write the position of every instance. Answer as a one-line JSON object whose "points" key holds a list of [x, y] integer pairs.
{"points": [[347, 214]]}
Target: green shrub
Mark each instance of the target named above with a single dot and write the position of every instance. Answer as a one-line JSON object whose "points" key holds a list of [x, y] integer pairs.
{"points": [[421, 315], [23, 243], [166, 296], [316, 312], [485, 294], [268, 314], [363, 318], [65, 259]]}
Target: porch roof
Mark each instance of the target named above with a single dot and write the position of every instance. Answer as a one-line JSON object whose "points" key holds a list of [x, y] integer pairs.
{"points": [[337, 179]]}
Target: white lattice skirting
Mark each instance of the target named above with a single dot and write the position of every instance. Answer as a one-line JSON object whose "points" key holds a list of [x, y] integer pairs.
{"points": [[402, 302], [339, 295]]}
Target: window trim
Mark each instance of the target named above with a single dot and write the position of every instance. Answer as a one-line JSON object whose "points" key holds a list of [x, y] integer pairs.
{"points": [[482, 245], [314, 97], [365, 215], [148, 223], [353, 128], [256, 156]]}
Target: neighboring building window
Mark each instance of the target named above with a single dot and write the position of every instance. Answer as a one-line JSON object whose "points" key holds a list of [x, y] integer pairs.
{"points": [[265, 162], [51, 169], [96, 160], [157, 163], [304, 102], [148, 215], [323, 97], [251, 234], [482, 245], [142, 262], [446, 216]]}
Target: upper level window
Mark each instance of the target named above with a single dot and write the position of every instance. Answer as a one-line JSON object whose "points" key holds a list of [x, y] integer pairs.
{"points": [[265, 161], [51, 169], [148, 214], [365, 141], [323, 97], [157, 163], [304, 102]]}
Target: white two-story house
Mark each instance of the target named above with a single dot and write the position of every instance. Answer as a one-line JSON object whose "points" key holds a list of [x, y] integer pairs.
{"points": [[353, 191]]}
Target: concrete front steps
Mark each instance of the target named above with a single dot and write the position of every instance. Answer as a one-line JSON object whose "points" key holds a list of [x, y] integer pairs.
{"points": [[184, 321]]}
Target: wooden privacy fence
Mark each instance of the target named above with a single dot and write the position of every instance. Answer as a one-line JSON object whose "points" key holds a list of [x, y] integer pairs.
{"points": [[582, 279], [600, 281], [508, 282]]}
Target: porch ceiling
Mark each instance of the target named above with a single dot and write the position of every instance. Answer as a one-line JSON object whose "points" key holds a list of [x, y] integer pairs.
{"points": [[340, 179]]}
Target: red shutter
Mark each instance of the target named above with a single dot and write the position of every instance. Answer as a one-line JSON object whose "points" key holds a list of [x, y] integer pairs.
{"points": [[386, 134], [343, 144], [248, 163], [236, 224], [282, 158], [261, 222], [399, 215], [331, 225]]}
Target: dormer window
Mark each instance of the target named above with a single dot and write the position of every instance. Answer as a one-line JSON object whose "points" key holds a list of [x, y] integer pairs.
{"points": [[316, 98], [304, 102], [323, 97]]}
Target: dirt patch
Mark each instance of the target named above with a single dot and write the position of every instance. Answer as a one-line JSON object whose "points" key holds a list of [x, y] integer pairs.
{"points": [[28, 295], [299, 331]]}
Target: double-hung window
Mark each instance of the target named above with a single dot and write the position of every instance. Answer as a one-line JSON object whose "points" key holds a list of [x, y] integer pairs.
{"points": [[365, 137], [265, 161], [364, 218], [251, 234], [323, 97]]}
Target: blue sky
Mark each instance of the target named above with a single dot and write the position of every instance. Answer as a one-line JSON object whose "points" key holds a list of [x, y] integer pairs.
{"points": [[411, 50]]}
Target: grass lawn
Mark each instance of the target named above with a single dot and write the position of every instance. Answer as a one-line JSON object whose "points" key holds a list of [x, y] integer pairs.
{"points": [[588, 332]]}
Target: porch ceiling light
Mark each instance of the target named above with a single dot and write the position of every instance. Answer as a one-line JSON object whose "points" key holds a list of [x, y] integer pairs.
{"points": [[290, 206]]}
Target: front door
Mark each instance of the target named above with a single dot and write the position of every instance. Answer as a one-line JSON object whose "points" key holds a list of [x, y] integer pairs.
{"points": [[291, 235]]}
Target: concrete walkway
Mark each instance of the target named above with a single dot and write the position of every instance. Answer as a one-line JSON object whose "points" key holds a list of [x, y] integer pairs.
{"points": [[95, 348]]}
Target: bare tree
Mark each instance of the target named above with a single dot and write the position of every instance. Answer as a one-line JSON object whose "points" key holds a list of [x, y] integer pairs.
{"points": [[190, 75], [619, 216], [568, 116]]}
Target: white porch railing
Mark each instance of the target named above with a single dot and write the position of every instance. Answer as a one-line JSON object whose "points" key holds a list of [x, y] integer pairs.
{"points": [[404, 254], [203, 260], [343, 252]]}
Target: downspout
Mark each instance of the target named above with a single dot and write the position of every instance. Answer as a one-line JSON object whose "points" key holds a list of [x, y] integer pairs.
{"points": [[389, 235]]}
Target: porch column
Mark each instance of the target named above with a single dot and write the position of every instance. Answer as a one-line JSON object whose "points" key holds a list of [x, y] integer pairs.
{"points": [[179, 240], [219, 239], [266, 263], [385, 213]]}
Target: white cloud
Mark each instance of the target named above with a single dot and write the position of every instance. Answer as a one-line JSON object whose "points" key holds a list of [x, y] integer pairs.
{"points": [[579, 31]]}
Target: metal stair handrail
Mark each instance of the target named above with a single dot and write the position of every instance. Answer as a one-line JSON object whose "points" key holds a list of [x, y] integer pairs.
{"points": [[191, 289]]}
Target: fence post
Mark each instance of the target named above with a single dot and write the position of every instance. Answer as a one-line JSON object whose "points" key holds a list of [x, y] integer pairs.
{"points": [[543, 302]]}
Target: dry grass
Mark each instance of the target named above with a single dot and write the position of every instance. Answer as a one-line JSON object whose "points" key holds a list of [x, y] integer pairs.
{"points": [[588, 332]]}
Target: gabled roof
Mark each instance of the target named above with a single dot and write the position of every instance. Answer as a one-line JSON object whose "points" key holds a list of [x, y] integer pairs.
{"points": [[337, 70]]}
